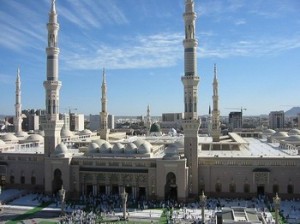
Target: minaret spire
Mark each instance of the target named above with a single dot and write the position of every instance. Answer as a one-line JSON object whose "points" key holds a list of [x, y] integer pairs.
{"points": [[104, 131], [148, 120], [51, 124], [190, 81], [216, 130], [18, 106]]}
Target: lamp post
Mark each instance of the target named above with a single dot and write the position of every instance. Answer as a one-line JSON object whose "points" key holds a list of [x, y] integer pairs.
{"points": [[62, 194], [202, 198], [276, 201], [124, 200]]}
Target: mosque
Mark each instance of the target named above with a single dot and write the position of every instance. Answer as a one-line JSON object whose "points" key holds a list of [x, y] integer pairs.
{"points": [[154, 166]]}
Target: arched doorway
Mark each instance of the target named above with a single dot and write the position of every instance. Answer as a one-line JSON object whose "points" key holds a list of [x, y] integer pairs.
{"points": [[171, 187], [57, 181]]}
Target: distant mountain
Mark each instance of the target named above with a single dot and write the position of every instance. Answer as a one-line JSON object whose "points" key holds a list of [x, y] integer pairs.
{"points": [[294, 111]]}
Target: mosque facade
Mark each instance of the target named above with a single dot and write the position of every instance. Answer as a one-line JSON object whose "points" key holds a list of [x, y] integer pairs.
{"points": [[159, 167]]}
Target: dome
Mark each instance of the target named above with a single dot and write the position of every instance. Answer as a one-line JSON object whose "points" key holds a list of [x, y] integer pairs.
{"points": [[144, 148], [138, 142], [172, 132], [118, 148], [2, 142], [179, 144], [41, 132], [93, 148], [269, 132], [171, 149], [61, 149], [293, 138], [9, 137], [66, 133], [105, 147], [85, 132], [155, 128], [35, 138], [294, 132], [21, 134], [130, 148], [280, 134], [99, 141]]}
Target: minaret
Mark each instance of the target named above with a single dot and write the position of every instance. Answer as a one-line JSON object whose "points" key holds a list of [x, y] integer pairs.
{"points": [[51, 124], [148, 120], [209, 122], [216, 130], [190, 80], [104, 131], [18, 106]]}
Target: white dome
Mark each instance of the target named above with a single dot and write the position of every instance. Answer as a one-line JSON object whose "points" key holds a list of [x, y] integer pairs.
{"points": [[93, 148], [280, 134], [99, 141], [144, 148], [35, 138], [118, 148], [61, 149], [130, 148], [171, 149], [293, 138], [85, 132], [294, 132], [138, 142], [21, 134], [9, 137], [66, 133], [105, 147], [269, 132]]}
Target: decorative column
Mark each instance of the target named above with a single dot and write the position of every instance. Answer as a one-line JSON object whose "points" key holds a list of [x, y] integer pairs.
{"points": [[203, 204], [276, 201], [62, 194], [124, 196]]}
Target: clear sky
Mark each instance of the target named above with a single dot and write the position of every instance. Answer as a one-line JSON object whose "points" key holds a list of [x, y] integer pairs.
{"points": [[255, 44]]}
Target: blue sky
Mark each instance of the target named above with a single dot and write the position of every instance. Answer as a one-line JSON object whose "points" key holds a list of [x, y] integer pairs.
{"points": [[255, 44]]}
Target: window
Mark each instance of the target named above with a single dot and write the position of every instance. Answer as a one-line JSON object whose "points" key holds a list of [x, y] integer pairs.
{"points": [[290, 189], [22, 180], [218, 188], [246, 188], [275, 188], [33, 180], [12, 179], [232, 188]]}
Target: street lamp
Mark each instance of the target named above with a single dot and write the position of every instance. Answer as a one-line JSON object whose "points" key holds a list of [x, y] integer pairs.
{"points": [[62, 194], [124, 196], [276, 201], [202, 198]]}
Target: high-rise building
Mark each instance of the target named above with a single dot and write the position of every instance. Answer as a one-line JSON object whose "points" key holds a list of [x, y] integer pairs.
{"points": [[190, 81], [235, 120], [276, 119]]}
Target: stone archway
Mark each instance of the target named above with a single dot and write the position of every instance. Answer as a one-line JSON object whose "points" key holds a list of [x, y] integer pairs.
{"points": [[57, 181], [171, 187]]}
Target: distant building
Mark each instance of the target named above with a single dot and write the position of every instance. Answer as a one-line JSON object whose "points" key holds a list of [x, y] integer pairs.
{"points": [[31, 120], [299, 120], [76, 122], [235, 120], [276, 119], [95, 122], [171, 120]]}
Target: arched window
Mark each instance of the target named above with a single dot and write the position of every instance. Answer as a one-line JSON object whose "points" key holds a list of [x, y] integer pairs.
{"points": [[246, 188], [290, 189], [218, 187], [275, 188]]}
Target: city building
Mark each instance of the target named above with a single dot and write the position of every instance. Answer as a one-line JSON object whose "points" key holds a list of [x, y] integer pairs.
{"points": [[235, 120], [276, 119]]}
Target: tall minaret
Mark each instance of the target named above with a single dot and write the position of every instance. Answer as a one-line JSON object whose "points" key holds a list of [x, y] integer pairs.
{"points": [[18, 106], [104, 131], [209, 122], [51, 124], [190, 80], [216, 130], [148, 120]]}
